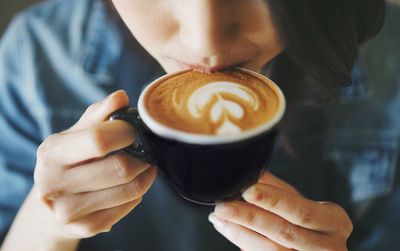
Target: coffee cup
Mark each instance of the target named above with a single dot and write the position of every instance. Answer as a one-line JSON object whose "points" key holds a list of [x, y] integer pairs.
{"points": [[211, 135]]}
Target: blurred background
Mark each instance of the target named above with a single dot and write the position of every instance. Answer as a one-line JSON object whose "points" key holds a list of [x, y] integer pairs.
{"points": [[9, 7]]}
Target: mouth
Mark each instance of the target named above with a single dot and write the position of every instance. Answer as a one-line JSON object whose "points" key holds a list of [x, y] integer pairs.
{"points": [[204, 68]]}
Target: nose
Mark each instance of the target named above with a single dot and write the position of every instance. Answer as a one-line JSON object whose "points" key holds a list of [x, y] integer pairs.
{"points": [[208, 27]]}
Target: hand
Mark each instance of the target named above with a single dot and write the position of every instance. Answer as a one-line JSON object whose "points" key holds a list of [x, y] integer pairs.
{"points": [[275, 216], [85, 191]]}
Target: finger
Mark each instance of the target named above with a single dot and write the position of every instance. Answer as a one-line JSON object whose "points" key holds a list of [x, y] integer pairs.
{"points": [[114, 170], [100, 221], [77, 146], [71, 207], [101, 110], [270, 179], [243, 237], [272, 226], [294, 208]]}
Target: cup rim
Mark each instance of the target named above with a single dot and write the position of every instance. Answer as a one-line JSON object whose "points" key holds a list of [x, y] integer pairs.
{"points": [[202, 139]]}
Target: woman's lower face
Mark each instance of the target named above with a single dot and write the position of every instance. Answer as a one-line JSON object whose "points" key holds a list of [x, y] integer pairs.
{"points": [[205, 35]]}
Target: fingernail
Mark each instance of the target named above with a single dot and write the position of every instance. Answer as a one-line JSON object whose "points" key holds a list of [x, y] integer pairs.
{"points": [[116, 93], [225, 209], [217, 222], [251, 193]]}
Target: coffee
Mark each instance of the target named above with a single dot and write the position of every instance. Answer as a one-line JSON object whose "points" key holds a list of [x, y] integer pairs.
{"points": [[221, 103]]}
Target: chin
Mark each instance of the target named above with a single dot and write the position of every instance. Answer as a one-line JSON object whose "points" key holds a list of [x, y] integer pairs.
{"points": [[169, 67]]}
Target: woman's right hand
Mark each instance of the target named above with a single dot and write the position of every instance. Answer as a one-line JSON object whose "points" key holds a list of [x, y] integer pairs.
{"points": [[84, 190]]}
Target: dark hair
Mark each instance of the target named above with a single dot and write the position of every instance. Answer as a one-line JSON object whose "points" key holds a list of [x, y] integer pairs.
{"points": [[323, 39]]}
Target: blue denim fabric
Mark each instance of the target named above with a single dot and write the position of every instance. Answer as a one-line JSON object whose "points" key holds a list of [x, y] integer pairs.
{"points": [[60, 56]]}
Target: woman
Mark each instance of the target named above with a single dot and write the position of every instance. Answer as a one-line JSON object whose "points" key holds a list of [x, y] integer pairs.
{"points": [[62, 56]]}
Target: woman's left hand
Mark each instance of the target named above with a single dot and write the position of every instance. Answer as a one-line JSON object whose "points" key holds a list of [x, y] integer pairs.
{"points": [[275, 216]]}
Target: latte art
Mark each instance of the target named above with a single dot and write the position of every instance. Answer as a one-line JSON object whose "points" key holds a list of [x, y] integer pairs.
{"points": [[222, 108], [223, 103]]}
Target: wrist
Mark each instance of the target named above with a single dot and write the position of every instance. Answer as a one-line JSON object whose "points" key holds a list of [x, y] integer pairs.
{"points": [[61, 245], [51, 236], [35, 229]]}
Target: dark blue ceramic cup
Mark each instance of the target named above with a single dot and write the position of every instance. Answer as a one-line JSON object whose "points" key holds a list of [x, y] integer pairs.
{"points": [[203, 169]]}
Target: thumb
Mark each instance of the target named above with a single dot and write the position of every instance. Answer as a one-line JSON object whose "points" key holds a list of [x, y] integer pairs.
{"points": [[101, 110]]}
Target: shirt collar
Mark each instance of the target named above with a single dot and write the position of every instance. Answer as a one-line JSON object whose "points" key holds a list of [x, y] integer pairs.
{"points": [[102, 45]]}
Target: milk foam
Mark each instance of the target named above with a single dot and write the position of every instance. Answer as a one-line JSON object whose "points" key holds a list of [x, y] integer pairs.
{"points": [[221, 105], [228, 128], [221, 108]]}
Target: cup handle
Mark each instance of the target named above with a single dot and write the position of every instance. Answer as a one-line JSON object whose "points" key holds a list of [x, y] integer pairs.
{"points": [[140, 150]]}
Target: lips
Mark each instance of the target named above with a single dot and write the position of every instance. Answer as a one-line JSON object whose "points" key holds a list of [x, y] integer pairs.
{"points": [[211, 65], [205, 68], [240, 52]]}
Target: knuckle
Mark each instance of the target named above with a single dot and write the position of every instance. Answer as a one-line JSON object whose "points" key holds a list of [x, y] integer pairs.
{"points": [[345, 224], [122, 168], [347, 227], [288, 233], [46, 170], [272, 201], [251, 218], [305, 215], [336, 209], [44, 150], [258, 194], [132, 189]]}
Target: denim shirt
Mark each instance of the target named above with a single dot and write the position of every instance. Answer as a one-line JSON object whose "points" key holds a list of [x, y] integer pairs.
{"points": [[58, 57]]}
